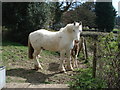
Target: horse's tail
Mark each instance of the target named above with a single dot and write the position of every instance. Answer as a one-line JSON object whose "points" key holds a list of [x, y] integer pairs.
{"points": [[30, 50]]}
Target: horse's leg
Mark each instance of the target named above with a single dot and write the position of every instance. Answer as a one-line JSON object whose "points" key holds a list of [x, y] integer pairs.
{"points": [[76, 62], [39, 56], [72, 60], [76, 56], [69, 65], [37, 63], [62, 68]]}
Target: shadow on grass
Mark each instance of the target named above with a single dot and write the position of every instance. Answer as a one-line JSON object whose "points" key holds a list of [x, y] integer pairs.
{"points": [[8, 43], [53, 67], [30, 75]]}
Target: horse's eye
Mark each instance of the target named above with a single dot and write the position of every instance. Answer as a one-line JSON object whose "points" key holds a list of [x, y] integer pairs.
{"points": [[73, 30]]}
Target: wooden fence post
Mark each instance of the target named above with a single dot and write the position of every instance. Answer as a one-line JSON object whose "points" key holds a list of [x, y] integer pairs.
{"points": [[118, 57], [94, 59], [86, 53], [83, 47]]}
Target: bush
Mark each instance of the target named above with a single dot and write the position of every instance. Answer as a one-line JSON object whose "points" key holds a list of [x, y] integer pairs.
{"points": [[85, 80], [109, 60]]}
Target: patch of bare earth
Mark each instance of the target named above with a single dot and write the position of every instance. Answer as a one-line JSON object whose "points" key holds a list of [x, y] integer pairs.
{"points": [[21, 71]]}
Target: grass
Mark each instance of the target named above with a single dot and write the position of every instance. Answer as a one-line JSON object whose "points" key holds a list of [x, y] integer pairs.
{"points": [[20, 69], [15, 56], [116, 29], [12, 52], [84, 80]]}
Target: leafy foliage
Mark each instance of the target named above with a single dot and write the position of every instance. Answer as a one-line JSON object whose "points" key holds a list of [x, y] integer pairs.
{"points": [[84, 80], [58, 8], [83, 12], [23, 18], [108, 64], [109, 60]]}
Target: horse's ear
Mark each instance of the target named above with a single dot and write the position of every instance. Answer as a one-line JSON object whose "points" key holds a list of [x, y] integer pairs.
{"points": [[80, 23], [74, 23]]}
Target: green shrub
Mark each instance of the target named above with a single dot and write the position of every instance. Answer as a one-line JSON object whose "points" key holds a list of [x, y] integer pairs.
{"points": [[109, 60], [85, 80]]}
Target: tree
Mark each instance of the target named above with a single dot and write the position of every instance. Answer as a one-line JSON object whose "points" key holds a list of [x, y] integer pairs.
{"points": [[13, 14], [58, 9], [105, 16], [84, 12], [22, 18], [118, 21]]}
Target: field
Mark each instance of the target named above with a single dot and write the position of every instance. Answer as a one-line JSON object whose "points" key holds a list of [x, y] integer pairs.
{"points": [[20, 68]]}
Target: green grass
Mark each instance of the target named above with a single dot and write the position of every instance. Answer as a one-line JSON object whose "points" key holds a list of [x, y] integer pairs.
{"points": [[15, 57], [19, 67], [116, 29], [84, 80], [12, 52]]}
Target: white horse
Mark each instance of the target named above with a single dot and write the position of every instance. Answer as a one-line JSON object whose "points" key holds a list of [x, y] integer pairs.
{"points": [[61, 41]]}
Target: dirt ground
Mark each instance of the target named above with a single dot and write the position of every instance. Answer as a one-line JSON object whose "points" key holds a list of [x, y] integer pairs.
{"points": [[21, 71]]}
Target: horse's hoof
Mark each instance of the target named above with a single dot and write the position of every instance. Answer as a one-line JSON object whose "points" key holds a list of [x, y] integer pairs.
{"points": [[77, 66], [63, 71], [70, 69], [74, 66], [39, 56], [37, 67]]}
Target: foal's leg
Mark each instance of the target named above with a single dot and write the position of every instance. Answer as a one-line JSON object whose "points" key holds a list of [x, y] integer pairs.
{"points": [[62, 68], [72, 60], [36, 58], [76, 57], [69, 65], [76, 62]]}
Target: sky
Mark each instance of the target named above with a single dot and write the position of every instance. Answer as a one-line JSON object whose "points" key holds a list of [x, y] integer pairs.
{"points": [[114, 2], [116, 6]]}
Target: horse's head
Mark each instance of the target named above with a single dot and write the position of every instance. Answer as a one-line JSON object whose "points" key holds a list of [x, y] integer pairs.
{"points": [[75, 29]]}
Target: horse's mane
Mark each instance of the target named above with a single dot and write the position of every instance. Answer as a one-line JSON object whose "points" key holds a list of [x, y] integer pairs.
{"points": [[65, 28], [68, 26]]}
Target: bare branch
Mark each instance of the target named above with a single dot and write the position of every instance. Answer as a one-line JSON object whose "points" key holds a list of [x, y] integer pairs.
{"points": [[68, 4], [61, 4]]}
